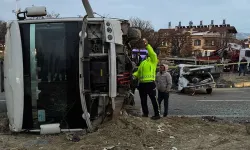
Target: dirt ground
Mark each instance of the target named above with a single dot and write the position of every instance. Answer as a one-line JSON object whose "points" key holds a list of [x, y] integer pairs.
{"points": [[136, 133], [233, 79]]}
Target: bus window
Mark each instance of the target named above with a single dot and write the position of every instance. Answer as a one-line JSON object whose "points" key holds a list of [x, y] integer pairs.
{"points": [[247, 53]]}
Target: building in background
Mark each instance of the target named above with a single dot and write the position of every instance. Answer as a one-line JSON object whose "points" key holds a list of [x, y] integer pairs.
{"points": [[2, 46], [205, 38], [247, 43]]}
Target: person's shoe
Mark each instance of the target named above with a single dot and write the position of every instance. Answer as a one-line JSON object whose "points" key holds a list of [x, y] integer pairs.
{"points": [[165, 115], [155, 117], [144, 115]]}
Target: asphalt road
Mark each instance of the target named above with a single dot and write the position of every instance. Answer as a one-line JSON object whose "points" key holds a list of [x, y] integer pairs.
{"points": [[2, 103], [229, 103]]}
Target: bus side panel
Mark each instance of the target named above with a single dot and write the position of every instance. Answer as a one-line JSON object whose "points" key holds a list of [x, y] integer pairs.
{"points": [[13, 78]]}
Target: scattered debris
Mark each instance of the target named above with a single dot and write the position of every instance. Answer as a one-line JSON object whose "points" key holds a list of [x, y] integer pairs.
{"points": [[210, 118], [174, 148], [109, 148], [74, 137], [172, 137], [37, 142], [159, 130], [130, 132]]}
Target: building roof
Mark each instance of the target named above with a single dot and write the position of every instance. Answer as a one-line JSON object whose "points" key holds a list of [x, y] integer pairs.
{"points": [[199, 33], [204, 28]]}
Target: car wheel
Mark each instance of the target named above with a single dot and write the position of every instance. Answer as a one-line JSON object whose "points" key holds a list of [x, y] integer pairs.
{"points": [[209, 90], [183, 91]]}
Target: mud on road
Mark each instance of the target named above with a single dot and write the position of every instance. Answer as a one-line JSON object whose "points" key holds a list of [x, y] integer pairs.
{"points": [[135, 133]]}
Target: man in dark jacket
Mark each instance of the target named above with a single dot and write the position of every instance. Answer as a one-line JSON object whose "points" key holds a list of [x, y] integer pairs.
{"points": [[164, 84], [243, 66]]}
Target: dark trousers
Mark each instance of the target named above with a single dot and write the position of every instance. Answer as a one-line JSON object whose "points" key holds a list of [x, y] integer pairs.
{"points": [[243, 69], [163, 96], [145, 90]]}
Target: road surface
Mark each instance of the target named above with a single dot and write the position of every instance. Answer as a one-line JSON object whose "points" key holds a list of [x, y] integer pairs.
{"points": [[232, 102], [228, 103], [2, 103]]}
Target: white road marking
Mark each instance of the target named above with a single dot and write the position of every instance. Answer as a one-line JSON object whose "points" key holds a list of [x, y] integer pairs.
{"points": [[2, 100], [219, 116], [232, 91], [223, 100]]}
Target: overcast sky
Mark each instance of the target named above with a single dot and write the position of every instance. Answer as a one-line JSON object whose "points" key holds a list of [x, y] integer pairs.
{"points": [[159, 12]]}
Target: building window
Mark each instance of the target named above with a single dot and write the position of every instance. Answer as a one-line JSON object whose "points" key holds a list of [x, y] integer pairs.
{"points": [[164, 44], [247, 53], [212, 43], [197, 42], [209, 43]]}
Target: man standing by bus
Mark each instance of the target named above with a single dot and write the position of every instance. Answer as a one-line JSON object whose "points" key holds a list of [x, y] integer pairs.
{"points": [[138, 58], [243, 66], [164, 84], [146, 74]]}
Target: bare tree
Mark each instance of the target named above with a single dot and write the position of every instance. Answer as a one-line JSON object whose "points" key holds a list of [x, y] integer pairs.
{"points": [[178, 41], [187, 49], [52, 15], [3, 30], [148, 32], [48, 16]]}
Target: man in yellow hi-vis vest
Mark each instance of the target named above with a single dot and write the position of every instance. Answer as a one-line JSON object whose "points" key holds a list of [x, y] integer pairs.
{"points": [[146, 74]]}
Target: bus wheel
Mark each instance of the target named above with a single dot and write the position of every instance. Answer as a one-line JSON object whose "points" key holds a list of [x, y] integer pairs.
{"points": [[209, 90]]}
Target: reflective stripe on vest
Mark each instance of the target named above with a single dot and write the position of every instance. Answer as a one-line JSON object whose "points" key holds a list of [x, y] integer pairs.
{"points": [[147, 76]]}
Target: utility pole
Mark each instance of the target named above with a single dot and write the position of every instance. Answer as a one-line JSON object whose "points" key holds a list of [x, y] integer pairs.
{"points": [[16, 10]]}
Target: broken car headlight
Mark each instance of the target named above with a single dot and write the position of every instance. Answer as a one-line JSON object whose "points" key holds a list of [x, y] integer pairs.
{"points": [[195, 80]]}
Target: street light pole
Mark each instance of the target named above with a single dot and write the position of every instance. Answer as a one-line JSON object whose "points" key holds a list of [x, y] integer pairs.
{"points": [[16, 10]]}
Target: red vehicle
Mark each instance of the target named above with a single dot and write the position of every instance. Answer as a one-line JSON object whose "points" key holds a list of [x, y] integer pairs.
{"points": [[217, 55]]}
